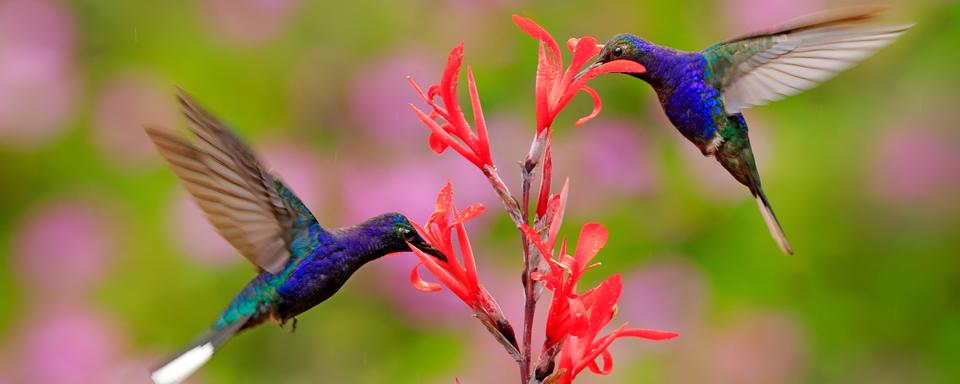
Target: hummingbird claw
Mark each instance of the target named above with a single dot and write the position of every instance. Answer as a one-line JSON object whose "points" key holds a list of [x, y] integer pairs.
{"points": [[714, 144]]}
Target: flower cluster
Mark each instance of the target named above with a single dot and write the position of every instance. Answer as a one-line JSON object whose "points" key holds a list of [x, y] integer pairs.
{"points": [[453, 130], [556, 86], [575, 320], [573, 341], [459, 277]]}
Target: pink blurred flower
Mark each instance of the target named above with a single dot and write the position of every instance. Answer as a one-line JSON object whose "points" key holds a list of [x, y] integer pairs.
{"points": [[195, 236], [617, 157], [915, 165], [126, 102], [612, 158], [132, 370], [667, 293], [69, 346], [247, 23], [37, 83], [6, 376], [747, 16], [407, 184], [425, 311], [379, 96], [63, 248], [754, 348]]}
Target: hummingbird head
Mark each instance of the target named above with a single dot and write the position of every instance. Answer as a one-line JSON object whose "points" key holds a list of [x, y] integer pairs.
{"points": [[404, 233], [625, 47]]}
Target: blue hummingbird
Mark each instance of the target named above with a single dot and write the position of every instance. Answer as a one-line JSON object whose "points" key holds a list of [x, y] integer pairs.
{"points": [[301, 264], [703, 93]]}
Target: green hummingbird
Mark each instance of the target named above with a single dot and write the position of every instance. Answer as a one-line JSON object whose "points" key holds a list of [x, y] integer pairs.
{"points": [[301, 264], [703, 93]]}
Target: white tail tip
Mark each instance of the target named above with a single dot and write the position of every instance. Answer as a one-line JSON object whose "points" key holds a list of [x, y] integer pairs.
{"points": [[183, 366], [774, 226]]}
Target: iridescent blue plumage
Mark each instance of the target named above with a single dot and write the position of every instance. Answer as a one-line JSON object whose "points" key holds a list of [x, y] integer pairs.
{"points": [[702, 93], [301, 264]]}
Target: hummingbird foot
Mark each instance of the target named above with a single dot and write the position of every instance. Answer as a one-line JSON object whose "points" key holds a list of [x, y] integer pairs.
{"points": [[715, 143], [293, 324]]}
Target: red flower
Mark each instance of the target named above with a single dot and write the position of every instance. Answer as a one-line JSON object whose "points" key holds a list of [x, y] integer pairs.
{"points": [[556, 87], [592, 311], [459, 278], [574, 321], [452, 123]]}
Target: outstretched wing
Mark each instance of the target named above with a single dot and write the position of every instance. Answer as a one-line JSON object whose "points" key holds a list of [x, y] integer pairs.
{"points": [[243, 201], [760, 68]]}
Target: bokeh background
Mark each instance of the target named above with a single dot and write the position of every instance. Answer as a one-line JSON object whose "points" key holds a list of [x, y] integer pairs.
{"points": [[106, 267]]}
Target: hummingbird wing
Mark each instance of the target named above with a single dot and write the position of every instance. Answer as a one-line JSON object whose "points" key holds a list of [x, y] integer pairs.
{"points": [[768, 66], [244, 202]]}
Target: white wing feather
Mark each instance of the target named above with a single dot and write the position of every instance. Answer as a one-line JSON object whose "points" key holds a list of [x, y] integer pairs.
{"points": [[801, 60]]}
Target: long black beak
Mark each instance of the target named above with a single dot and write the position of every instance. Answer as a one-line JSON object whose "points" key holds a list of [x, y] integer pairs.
{"points": [[428, 249], [587, 69]]}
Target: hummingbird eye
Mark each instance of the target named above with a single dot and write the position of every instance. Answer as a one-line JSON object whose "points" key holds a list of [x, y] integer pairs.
{"points": [[618, 51]]}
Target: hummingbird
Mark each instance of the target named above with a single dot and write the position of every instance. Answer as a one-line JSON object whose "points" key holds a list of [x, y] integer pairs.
{"points": [[703, 93], [300, 263]]}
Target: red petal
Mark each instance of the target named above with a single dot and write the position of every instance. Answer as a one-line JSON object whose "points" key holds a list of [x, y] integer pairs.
{"points": [[593, 237], [444, 204], [604, 299], [443, 135], [607, 364], [437, 144], [597, 105], [649, 334], [421, 284], [549, 65], [543, 198], [585, 49], [560, 204], [545, 82], [448, 89], [618, 66], [537, 32], [579, 320], [466, 251], [534, 238], [468, 213], [418, 90], [482, 147], [441, 273]]}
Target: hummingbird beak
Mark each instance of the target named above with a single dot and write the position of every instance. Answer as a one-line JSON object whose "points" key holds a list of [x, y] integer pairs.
{"points": [[422, 245], [587, 69]]}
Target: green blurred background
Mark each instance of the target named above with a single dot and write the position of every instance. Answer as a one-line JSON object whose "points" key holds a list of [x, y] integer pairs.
{"points": [[106, 267]]}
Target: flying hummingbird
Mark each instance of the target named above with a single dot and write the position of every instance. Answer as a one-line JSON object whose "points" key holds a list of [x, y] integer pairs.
{"points": [[702, 93], [301, 264]]}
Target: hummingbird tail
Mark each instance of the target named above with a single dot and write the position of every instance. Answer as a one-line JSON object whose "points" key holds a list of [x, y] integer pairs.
{"points": [[772, 223], [192, 358]]}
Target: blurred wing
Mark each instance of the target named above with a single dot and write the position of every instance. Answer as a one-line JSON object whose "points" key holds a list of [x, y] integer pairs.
{"points": [[760, 68], [239, 197]]}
